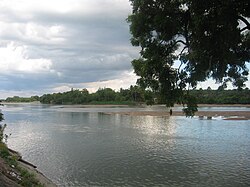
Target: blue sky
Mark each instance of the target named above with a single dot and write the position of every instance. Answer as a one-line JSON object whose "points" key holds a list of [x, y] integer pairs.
{"points": [[54, 45]]}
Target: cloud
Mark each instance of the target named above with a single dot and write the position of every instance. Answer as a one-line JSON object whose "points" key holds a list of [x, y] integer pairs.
{"points": [[127, 79], [52, 45], [14, 59], [11, 93]]}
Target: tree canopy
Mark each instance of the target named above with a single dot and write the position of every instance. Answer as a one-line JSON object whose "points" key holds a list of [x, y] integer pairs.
{"points": [[135, 95], [186, 41]]}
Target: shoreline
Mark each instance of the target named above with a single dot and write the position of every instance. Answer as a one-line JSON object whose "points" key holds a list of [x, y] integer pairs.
{"points": [[227, 115], [123, 105], [32, 169], [10, 175], [38, 175]]}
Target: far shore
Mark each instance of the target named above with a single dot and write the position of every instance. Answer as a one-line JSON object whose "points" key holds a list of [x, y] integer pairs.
{"points": [[226, 115], [124, 105]]}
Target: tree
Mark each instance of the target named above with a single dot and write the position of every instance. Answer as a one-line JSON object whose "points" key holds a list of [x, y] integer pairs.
{"points": [[209, 39], [209, 88], [136, 93], [105, 94], [222, 87]]}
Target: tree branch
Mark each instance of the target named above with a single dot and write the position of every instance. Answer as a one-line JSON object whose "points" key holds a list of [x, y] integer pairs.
{"points": [[180, 41], [183, 50], [180, 67], [241, 30], [244, 21]]}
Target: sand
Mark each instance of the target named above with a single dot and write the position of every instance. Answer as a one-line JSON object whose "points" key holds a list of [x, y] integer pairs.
{"points": [[227, 115]]}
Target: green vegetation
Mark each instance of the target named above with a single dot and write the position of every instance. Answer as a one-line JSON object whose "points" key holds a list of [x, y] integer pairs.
{"points": [[18, 99], [28, 179], [208, 39], [136, 95], [221, 96], [130, 96]]}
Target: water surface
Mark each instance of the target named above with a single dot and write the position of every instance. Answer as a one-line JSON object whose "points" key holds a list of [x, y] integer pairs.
{"points": [[84, 147]]}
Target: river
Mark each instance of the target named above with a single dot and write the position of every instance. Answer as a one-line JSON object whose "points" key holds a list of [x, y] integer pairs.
{"points": [[85, 147]]}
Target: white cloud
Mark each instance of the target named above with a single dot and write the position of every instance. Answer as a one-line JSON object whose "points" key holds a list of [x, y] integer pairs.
{"points": [[124, 81], [43, 34], [33, 33], [22, 6], [62, 88], [13, 58], [26, 8], [11, 93]]}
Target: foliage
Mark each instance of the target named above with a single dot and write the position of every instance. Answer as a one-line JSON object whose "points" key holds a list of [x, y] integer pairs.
{"points": [[18, 99], [2, 135], [191, 106], [210, 39], [28, 179], [222, 96], [136, 95], [129, 96], [4, 152]]}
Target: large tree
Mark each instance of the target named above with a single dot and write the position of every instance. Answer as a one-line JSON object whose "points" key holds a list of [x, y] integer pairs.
{"points": [[206, 38]]}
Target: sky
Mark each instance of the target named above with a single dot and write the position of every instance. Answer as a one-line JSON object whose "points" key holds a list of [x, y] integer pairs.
{"points": [[51, 46]]}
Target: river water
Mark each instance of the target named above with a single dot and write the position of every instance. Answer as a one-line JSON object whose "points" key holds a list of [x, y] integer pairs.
{"points": [[84, 147]]}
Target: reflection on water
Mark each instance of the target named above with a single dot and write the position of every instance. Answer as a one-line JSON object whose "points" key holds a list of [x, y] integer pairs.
{"points": [[87, 148]]}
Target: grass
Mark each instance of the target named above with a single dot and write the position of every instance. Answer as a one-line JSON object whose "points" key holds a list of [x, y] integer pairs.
{"points": [[27, 179]]}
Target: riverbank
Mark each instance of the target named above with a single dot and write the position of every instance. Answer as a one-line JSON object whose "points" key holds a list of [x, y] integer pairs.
{"points": [[16, 172], [121, 105], [232, 114]]}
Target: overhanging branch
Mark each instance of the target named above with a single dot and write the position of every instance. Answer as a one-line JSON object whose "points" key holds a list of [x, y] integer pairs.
{"points": [[244, 20], [245, 28], [183, 50], [180, 41]]}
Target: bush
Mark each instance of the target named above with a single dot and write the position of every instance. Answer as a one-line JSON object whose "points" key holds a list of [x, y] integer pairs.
{"points": [[4, 152]]}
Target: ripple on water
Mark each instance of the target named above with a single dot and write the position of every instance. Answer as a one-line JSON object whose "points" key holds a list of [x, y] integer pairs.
{"points": [[88, 149]]}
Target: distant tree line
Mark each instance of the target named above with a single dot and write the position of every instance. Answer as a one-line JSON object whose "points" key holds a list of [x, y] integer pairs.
{"points": [[135, 95], [221, 96], [132, 95], [22, 99]]}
